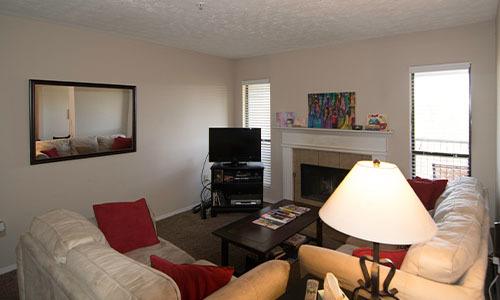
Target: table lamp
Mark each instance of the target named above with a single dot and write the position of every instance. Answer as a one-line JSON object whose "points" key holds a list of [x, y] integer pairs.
{"points": [[374, 202]]}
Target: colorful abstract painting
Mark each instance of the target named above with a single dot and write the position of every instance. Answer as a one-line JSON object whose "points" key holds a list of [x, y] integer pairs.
{"points": [[331, 110]]}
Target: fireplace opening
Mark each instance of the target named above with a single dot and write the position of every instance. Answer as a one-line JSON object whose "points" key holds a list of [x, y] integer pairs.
{"points": [[318, 182]]}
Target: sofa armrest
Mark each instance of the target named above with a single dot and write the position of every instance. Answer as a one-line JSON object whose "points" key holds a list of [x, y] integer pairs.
{"points": [[267, 281], [318, 261]]}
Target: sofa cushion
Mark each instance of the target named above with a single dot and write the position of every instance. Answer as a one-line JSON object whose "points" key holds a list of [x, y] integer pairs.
{"points": [[51, 152], [62, 145], [163, 249], [111, 275], [204, 262], [450, 253], [126, 225], [61, 230], [121, 143], [396, 256], [105, 142], [428, 191], [84, 145], [195, 282]]}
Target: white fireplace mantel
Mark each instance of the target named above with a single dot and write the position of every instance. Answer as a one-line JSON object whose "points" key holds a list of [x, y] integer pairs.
{"points": [[374, 143]]}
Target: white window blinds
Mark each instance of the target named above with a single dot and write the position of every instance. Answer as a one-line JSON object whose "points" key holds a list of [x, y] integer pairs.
{"points": [[441, 121], [256, 97]]}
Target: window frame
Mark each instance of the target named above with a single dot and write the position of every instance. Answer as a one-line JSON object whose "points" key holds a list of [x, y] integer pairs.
{"points": [[413, 152]]}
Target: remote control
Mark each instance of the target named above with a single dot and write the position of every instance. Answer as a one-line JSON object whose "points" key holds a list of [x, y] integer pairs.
{"points": [[311, 289]]}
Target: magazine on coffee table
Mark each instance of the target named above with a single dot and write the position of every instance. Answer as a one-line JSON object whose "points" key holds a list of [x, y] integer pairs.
{"points": [[280, 216], [294, 209], [268, 223]]}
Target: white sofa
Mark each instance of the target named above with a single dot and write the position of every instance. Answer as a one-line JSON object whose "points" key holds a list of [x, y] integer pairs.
{"points": [[452, 265], [64, 256], [76, 145]]}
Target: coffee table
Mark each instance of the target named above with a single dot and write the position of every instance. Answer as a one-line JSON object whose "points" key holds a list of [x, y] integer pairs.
{"points": [[261, 240]]}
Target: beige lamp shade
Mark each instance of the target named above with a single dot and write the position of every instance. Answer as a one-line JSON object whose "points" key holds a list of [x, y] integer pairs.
{"points": [[374, 202]]}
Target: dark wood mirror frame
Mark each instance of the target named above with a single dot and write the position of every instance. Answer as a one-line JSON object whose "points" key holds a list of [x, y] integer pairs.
{"points": [[32, 116]]}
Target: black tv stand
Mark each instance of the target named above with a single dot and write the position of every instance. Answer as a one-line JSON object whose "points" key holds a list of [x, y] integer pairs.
{"points": [[237, 187], [234, 164]]}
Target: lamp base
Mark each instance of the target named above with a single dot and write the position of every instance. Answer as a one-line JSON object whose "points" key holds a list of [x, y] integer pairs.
{"points": [[370, 283]]}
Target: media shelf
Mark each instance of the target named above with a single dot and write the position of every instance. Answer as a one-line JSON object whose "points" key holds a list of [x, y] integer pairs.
{"points": [[237, 187]]}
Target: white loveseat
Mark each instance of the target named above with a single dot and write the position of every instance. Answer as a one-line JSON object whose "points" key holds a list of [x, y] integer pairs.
{"points": [[76, 145], [64, 256], [452, 265]]}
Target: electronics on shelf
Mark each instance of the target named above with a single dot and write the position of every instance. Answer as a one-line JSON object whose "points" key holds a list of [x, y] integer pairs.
{"points": [[237, 175], [237, 187]]}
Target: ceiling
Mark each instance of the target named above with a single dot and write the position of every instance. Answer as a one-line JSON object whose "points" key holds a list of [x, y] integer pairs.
{"points": [[244, 28]]}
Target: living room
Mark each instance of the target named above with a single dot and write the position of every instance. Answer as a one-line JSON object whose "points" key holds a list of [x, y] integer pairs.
{"points": [[189, 62]]}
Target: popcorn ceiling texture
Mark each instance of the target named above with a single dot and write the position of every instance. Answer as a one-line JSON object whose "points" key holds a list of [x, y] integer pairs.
{"points": [[244, 28]]}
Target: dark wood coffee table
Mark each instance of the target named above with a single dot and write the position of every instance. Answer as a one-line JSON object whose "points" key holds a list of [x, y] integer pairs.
{"points": [[261, 240]]}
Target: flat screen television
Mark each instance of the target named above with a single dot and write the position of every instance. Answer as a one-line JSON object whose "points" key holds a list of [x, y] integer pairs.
{"points": [[233, 144]]}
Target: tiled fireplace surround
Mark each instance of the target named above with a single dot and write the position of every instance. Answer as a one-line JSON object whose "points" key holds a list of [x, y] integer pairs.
{"points": [[329, 148], [330, 159]]}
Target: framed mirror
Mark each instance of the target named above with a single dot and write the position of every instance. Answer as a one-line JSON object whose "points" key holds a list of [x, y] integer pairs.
{"points": [[73, 120]]}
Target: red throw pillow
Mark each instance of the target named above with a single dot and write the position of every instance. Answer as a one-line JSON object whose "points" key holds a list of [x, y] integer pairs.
{"points": [[121, 143], [195, 282], [428, 191], [51, 152], [396, 256], [126, 225]]}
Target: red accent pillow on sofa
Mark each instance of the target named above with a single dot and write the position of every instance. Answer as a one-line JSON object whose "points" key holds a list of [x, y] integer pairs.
{"points": [[428, 191], [121, 143], [195, 282], [51, 152], [126, 225], [396, 256]]}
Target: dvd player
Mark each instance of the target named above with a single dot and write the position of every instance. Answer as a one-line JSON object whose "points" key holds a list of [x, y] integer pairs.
{"points": [[246, 202]]}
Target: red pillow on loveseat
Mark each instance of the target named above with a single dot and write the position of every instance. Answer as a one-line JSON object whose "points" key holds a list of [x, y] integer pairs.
{"points": [[51, 152], [126, 225], [195, 282], [396, 256], [428, 191], [121, 143]]}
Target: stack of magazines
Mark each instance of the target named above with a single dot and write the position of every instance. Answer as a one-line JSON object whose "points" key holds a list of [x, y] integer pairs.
{"points": [[280, 216]]}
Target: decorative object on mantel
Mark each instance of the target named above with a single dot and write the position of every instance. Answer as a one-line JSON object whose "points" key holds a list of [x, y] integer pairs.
{"points": [[331, 110], [376, 122], [285, 119], [300, 121]]}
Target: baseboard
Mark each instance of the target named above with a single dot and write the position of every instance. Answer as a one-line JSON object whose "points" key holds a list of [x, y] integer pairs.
{"points": [[177, 211], [7, 269]]}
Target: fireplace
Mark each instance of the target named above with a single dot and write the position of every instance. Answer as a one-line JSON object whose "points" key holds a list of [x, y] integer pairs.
{"points": [[334, 148], [317, 173], [319, 182]]}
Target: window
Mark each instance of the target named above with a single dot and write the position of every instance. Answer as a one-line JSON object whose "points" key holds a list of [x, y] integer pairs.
{"points": [[440, 121], [256, 97]]}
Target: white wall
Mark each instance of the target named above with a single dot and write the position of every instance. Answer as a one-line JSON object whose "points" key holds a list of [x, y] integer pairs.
{"points": [[101, 111], [179, 95], [378, 71], [497, 35]]}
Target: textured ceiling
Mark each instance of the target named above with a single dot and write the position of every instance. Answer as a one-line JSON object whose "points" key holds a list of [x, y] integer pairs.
{"points": [[243, 28]]}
